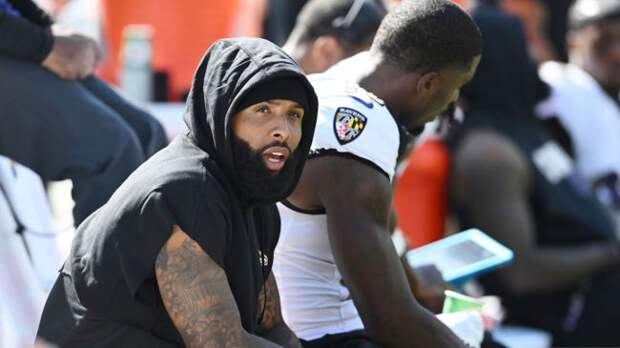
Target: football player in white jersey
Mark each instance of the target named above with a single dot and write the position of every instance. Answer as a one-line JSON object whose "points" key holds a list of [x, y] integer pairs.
{"points": [[340, 279], [327, 31]]}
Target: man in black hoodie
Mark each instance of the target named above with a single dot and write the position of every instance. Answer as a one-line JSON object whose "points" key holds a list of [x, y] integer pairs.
{"points": [[57, 118], [182, 252]]}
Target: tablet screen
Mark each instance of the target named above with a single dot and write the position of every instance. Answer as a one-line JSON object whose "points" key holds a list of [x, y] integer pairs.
{"points": [[458, 255], [462, 255]]}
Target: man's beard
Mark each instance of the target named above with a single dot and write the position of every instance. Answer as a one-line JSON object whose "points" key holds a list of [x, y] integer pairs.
{"points": [[256, 183]]}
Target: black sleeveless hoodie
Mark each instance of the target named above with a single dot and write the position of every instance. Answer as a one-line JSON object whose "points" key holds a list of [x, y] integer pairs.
{"points": [[106, 294]]}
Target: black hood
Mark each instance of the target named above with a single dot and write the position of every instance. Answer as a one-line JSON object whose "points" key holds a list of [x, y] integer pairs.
{"points": [[506, 80], [229, 69]]}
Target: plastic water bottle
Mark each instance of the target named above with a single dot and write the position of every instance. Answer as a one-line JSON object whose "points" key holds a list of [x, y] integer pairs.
{"points": [[136, 78]]}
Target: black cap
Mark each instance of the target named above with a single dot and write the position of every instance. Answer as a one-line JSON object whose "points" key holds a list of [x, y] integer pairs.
{"points": [[289, 88], [586, 12]]}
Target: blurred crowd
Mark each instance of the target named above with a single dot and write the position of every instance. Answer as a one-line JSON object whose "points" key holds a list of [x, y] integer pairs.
{"points": [[528, 152]]}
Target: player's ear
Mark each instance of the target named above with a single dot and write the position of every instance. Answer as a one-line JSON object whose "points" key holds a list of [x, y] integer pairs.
{"points": [[574, 40], [428, 83], [326, 51]]}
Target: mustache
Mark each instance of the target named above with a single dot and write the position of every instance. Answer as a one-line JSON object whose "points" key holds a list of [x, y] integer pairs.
{"points": [[275, 143]]}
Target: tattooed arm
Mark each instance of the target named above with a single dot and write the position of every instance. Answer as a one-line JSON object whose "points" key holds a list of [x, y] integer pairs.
{"points": [[272, 326], [197, 296]]}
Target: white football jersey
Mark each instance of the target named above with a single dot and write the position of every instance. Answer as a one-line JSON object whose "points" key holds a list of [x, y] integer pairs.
{"points": [[354, 123]]}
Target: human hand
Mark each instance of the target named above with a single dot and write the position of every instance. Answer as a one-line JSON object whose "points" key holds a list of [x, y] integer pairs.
{"points": [[73, 56], [429, 288]]}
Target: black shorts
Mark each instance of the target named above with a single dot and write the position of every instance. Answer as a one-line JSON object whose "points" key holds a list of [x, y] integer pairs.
{"points": [[359, 339], [353, 339]]}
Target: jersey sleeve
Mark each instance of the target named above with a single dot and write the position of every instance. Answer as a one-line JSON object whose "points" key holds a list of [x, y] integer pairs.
{"points": [[357, 126]]}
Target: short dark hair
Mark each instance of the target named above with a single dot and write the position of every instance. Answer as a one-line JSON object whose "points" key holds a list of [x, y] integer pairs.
{"points": [[428, 34], [585, 12], [353, 22]]}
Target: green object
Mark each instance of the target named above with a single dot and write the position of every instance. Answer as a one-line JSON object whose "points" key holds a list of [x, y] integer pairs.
{"points": [[455, 302]]}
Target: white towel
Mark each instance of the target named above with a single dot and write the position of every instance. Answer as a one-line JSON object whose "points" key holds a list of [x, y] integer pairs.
{"points": [[467, 325]]}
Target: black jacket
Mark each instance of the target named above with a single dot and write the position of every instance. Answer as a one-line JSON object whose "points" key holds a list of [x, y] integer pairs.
{"points": [[27, 37], [107, 294]]}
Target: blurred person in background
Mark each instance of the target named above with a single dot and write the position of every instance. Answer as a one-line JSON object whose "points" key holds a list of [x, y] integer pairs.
{"points": [[335, 249], [583, 105], [280, 18], [544, 24], [556, 25], [57, 118], [327, 31], [510, 178], [533, 15]]}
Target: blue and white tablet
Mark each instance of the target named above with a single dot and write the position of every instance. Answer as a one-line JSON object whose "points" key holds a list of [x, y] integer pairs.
{"points": [[462, 256]]}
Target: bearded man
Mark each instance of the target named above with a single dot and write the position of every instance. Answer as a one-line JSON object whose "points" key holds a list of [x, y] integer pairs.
{"points": [[181, 255]]}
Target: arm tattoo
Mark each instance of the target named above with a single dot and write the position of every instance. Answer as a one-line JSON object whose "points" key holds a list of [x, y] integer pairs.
{"points": [[196, 294], [272, 326], [269, 304]]}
